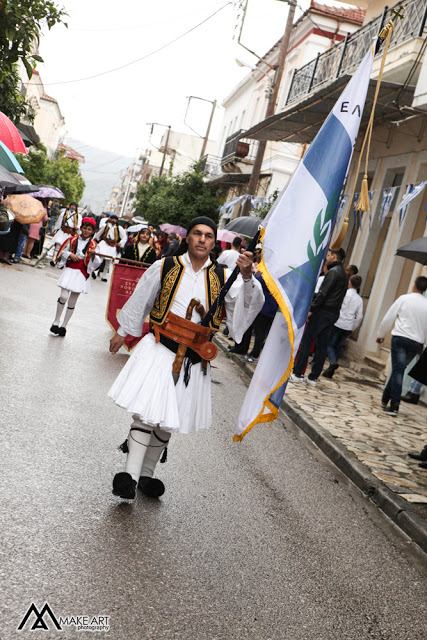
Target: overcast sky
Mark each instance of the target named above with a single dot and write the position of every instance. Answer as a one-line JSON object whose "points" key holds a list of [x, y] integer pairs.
{"points": [[111, 110]]}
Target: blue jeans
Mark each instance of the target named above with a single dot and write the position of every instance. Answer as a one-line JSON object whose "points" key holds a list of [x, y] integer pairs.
{"points": [[337, 337], [21, 244], [403, 350], [415, 387]]}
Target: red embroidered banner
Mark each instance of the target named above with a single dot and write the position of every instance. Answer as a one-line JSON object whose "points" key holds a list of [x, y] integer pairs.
{"points": [[124, 279]]}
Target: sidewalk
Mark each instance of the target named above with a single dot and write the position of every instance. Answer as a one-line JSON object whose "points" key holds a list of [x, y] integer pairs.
{"points": [[343, 416]]}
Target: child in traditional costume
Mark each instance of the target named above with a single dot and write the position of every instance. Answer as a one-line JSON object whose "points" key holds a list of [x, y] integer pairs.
{"points": [[141, 249], [77, 253]]}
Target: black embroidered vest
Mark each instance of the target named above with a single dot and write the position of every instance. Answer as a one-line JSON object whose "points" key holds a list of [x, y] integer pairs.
{"points": [[171, 275]]}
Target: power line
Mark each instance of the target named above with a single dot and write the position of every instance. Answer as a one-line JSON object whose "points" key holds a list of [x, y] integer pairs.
{"points": [[148, 55], [127, 27]]}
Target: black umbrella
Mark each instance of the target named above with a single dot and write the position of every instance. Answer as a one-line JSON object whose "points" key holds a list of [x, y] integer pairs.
{"points": [[416, 250], [7, 179], [245, 225]]}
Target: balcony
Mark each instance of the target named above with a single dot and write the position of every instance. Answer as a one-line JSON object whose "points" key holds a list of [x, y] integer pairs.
{"points": [[211, 167], [344, 57], [237, 153], [316, 87]]}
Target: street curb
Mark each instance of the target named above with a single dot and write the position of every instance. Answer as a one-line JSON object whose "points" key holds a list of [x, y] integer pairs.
{"points": [[394, 507]]}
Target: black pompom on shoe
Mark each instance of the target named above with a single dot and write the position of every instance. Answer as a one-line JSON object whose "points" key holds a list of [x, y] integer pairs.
{"points": [[151, 487], [54, 329], [124, 486], [62, 331]]}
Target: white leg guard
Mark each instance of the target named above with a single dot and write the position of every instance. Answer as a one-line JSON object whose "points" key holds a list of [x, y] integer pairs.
{"points": [[70, 308], [158, 441], [138, 442]]}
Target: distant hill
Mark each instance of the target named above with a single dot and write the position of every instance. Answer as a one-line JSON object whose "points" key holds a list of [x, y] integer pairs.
{"points": [[102, 170]]}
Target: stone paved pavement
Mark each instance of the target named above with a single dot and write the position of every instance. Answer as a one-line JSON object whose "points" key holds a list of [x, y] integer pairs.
{"points": [[348, 407]]}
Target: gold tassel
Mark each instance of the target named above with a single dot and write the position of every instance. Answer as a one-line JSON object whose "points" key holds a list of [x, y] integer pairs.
{"points": [[362, 203]]}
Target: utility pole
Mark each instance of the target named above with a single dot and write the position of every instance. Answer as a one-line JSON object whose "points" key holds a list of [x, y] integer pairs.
{"points": [[165, 150], [205, 141], [271, 106]]}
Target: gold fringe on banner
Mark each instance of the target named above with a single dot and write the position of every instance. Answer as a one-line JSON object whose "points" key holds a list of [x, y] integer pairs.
{"points": [[363, 200]]}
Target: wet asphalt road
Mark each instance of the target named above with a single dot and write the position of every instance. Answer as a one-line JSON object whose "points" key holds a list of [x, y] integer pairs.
{"points": [[257, 540]]}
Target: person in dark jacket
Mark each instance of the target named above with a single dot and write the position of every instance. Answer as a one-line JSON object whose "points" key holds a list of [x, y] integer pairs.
{"points": [[171, 246], [324, 312]]}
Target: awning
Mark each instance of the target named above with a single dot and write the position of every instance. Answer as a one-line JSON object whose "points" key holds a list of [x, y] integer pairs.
{"points": [[230, 179], [301, 121], [28, 134]]}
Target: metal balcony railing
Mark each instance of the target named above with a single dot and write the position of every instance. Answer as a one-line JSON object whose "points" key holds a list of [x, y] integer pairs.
{"points": [[211, 166], [236, 149], [344, 57]]}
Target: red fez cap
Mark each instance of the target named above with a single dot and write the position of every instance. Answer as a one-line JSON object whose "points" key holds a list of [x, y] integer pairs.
{"points": [[90, 221]]}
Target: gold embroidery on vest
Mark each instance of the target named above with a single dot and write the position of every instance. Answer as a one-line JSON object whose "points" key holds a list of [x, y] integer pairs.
{"points": [[170, 284], [213, 286]]}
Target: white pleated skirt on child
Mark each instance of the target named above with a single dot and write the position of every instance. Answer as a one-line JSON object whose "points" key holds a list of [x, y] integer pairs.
{"points": [[145, 386], [73, 280]]}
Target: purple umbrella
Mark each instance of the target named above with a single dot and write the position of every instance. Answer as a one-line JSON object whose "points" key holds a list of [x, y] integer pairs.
{"points": [[174, 228], [47, 191]]}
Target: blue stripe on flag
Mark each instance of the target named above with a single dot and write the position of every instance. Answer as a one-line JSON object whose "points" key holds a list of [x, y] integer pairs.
{"points": [[328, 162], [295, 284]]}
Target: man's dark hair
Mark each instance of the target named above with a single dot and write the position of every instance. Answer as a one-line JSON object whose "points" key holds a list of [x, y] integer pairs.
{"points": [[421, 283], [237, 242], [353, 270], [339, 253], [356, 281]]}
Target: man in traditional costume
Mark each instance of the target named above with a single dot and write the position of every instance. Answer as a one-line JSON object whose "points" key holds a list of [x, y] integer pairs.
{"points": [[111, 237], [140, 248], [77, 254], [67, 225], [163, 397]]}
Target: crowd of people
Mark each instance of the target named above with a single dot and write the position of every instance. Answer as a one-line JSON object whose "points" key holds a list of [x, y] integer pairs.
{"points": [[85, 246]]}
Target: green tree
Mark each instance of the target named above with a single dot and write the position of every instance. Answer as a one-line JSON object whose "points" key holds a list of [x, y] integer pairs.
{"points": [[21, 24], [177, 199], [60, 172], [12, 102]]}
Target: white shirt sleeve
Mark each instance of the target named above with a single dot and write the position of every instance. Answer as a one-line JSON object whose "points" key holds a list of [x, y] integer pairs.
{"points": [[389, 319], [123, 237], [243, 303], [66, 252], [131, 318], [358, 316], [58, 223]]}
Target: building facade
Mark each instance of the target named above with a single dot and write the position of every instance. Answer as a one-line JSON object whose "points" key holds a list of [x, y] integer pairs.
{"points": [[49, 123], [315, 32], [398, 155]]}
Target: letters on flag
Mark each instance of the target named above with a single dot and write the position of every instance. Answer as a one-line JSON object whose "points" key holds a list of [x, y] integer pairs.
{"points": [[295, 237], [124, 279]]}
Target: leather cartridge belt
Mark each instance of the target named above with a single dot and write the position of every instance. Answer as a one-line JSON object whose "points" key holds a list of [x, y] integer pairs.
{"points": [[111, 243], [70, 230], [192, 335]]}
